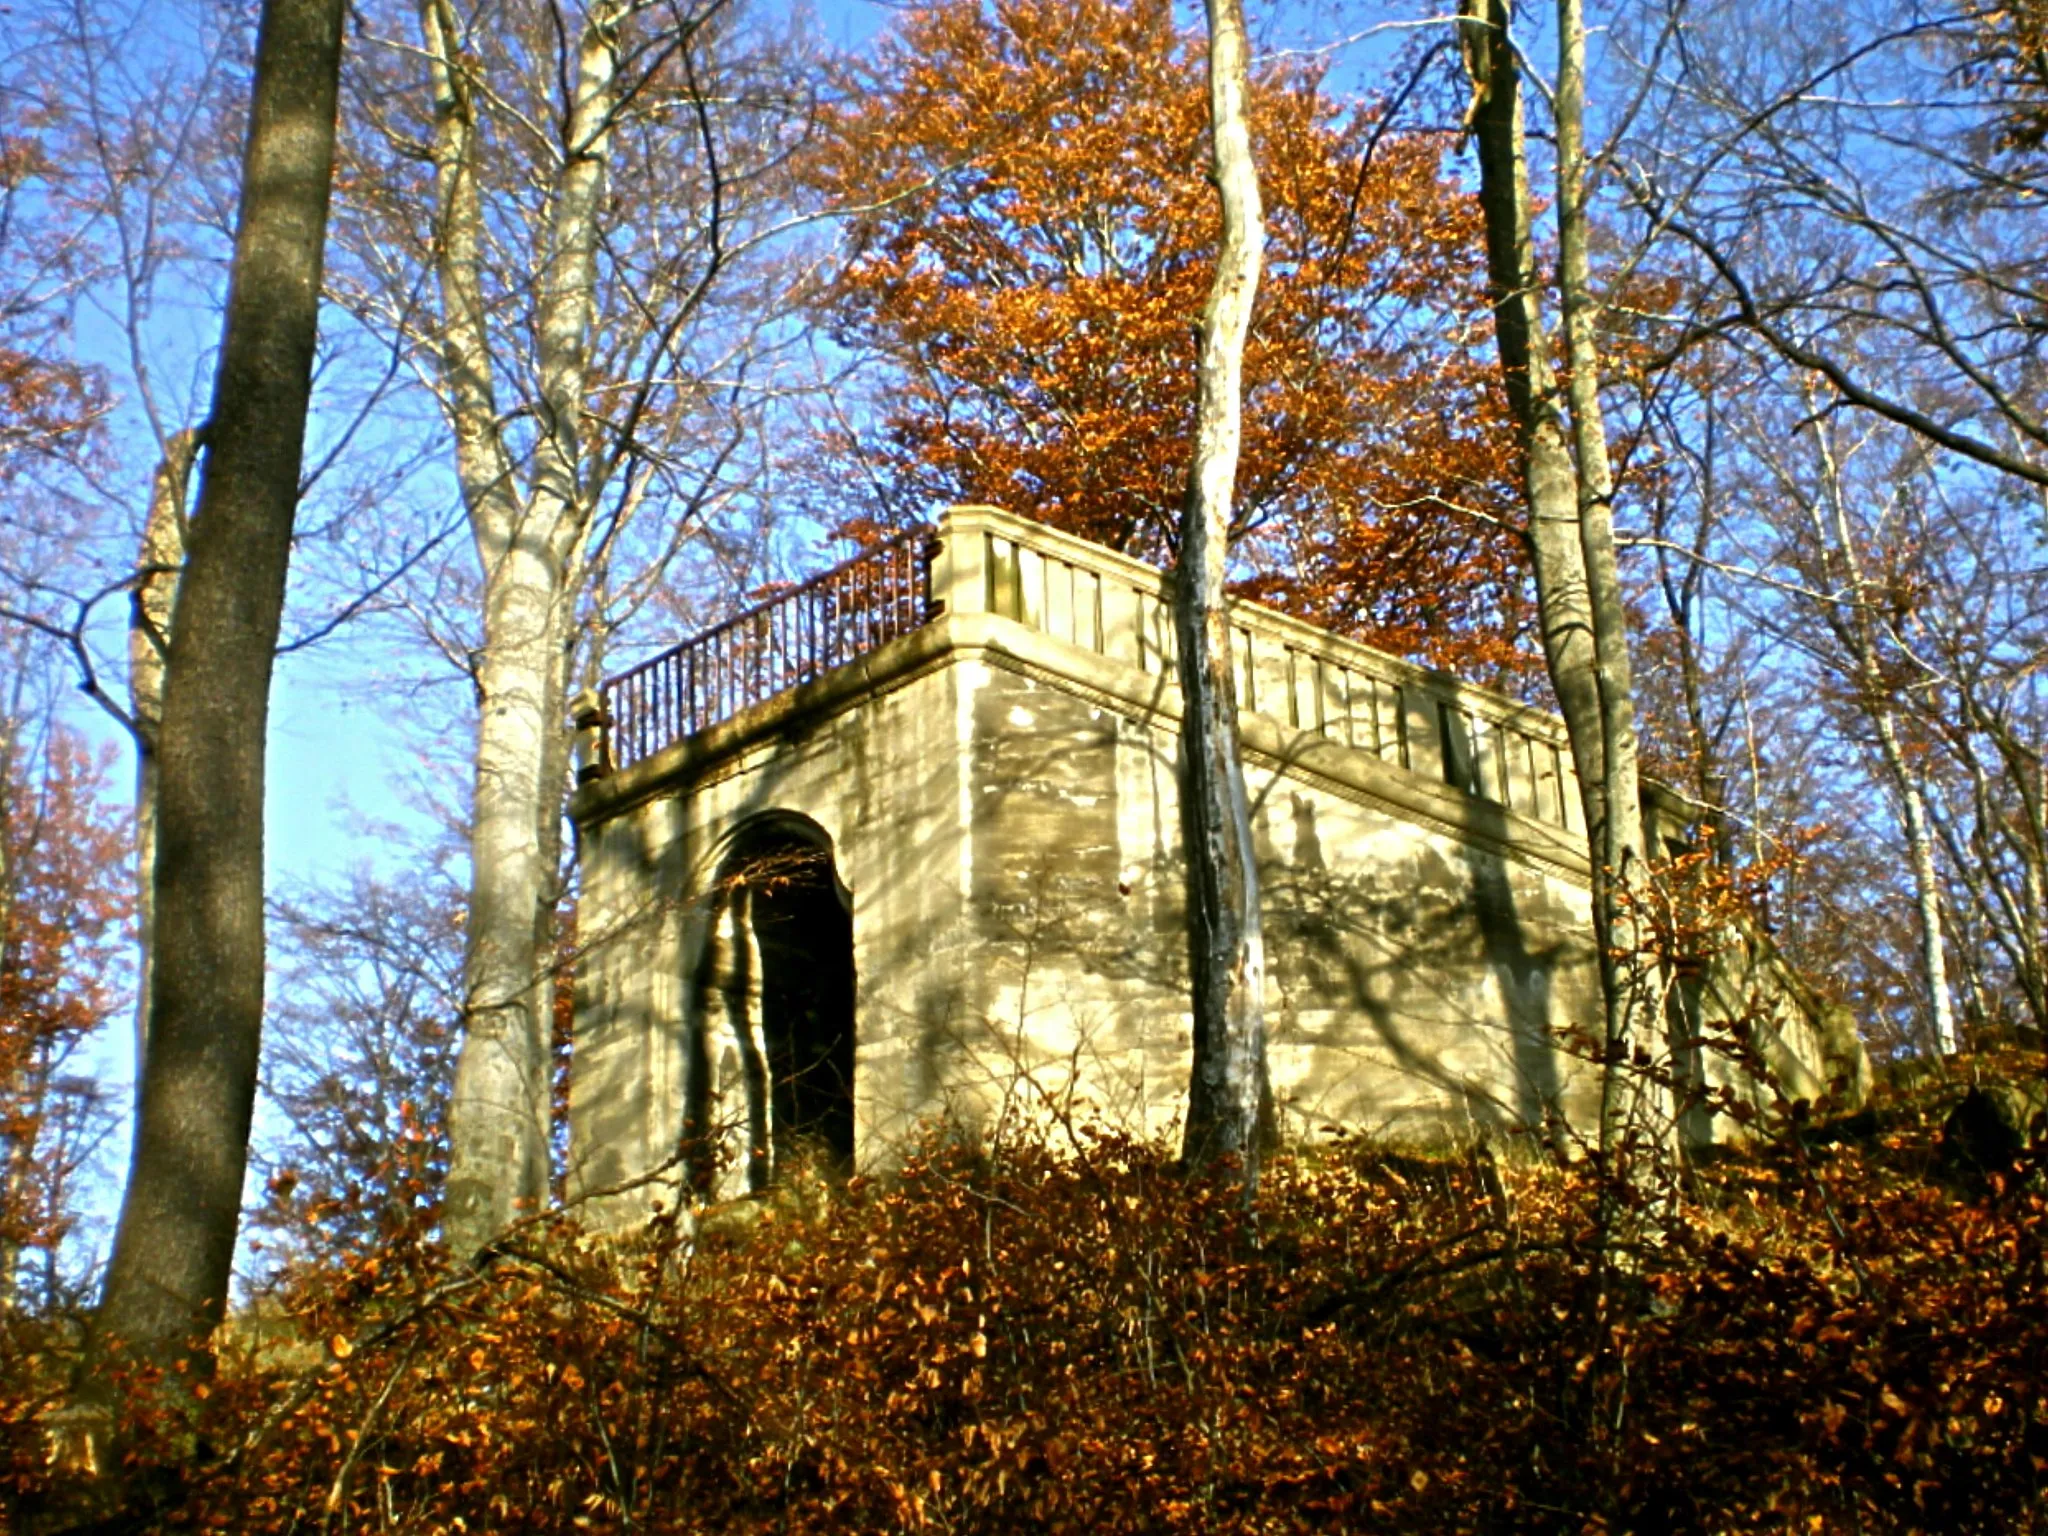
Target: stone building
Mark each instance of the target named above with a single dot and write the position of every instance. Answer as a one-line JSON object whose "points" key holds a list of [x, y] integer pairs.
{"points": [[904, 843]]}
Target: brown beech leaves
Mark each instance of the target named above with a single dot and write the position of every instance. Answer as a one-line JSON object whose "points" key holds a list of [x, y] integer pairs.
{"points": [[1077, 1338]]}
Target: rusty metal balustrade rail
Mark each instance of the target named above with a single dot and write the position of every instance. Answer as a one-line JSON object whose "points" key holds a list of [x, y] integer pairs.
{"points": [[856, 607]]}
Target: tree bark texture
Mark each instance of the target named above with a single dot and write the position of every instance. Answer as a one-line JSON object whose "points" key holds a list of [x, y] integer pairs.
{"points": [[530, 544], [1226, 951], [167, 1283], [155, 596], [1616, 839], [10, 1252], [1568, 487], [1927, 894]]}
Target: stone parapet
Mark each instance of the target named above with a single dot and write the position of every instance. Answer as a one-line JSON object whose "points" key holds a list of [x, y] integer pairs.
{"points": [[1297, 675], [1102, 607]]}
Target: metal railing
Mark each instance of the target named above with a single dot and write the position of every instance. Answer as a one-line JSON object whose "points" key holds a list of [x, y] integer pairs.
{"points": [[794, 637]]}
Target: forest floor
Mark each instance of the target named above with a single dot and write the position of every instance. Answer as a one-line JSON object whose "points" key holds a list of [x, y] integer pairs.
{"points": [[1842, 1329]]}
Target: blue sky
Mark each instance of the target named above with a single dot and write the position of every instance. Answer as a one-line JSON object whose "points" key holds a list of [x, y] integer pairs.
{"points": [[341, 740], [354, 753], [338, 747]]}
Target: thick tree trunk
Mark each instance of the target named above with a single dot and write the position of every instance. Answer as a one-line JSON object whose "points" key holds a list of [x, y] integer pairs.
{"points": [[1550, 479], [1568, 487], [531, 551], [10, 1252], [167, 1283], [1226, 950], [498, 1153], [157, 564]]}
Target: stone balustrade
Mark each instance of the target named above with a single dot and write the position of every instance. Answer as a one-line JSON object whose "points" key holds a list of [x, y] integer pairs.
{"points": [[1302, 677]]}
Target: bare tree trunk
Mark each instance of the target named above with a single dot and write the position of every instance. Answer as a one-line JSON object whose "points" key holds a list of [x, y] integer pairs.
{"points": [[167, 1283], [1927, 893], [1709, 785], [2012, 920], [10, 1251], [2024, 836], [1616, 838], [1681, 593], [1226, 949], [1550, 479], [161, 558], [2019, 831], [1569, 490], [531, 551], [1856, 632]]}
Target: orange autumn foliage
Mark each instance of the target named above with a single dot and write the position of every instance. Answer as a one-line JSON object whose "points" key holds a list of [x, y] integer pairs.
{"points": [[1081, 1339], [1031, 252], [60, 962], [51, 405]]}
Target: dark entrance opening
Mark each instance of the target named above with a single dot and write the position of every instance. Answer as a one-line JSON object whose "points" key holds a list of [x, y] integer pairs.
{"points": [[803, 934]]}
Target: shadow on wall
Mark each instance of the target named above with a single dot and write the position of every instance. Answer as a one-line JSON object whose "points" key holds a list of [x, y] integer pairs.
{"points": [[1074, 996], [1430, 968], [1422, 993]]}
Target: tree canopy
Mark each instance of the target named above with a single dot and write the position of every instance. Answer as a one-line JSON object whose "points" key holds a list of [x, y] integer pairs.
{"points": [[1030, 253], [1781, 266]]}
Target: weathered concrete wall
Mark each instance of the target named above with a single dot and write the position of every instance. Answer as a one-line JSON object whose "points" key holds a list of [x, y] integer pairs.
{"points": [[882, 781], [1764, 1033], [1416, 978], [997, 790]]}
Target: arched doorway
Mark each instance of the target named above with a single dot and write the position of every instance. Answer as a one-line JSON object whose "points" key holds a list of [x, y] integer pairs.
{"points": [[785, 985]]}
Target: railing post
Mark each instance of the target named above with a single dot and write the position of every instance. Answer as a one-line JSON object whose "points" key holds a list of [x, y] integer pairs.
{"points": [[960, 569], [592, 722]]}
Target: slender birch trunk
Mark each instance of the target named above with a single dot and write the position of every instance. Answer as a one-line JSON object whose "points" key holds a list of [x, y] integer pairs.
{"points": [[160, 559], [1830, 516], [167, 1282], [530, 545], [1569, 490], [1225, 946], [1927, 893], [1617, 838]]}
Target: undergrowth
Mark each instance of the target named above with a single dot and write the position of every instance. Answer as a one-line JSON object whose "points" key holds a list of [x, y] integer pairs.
{"points": [[1823, 1338]]}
